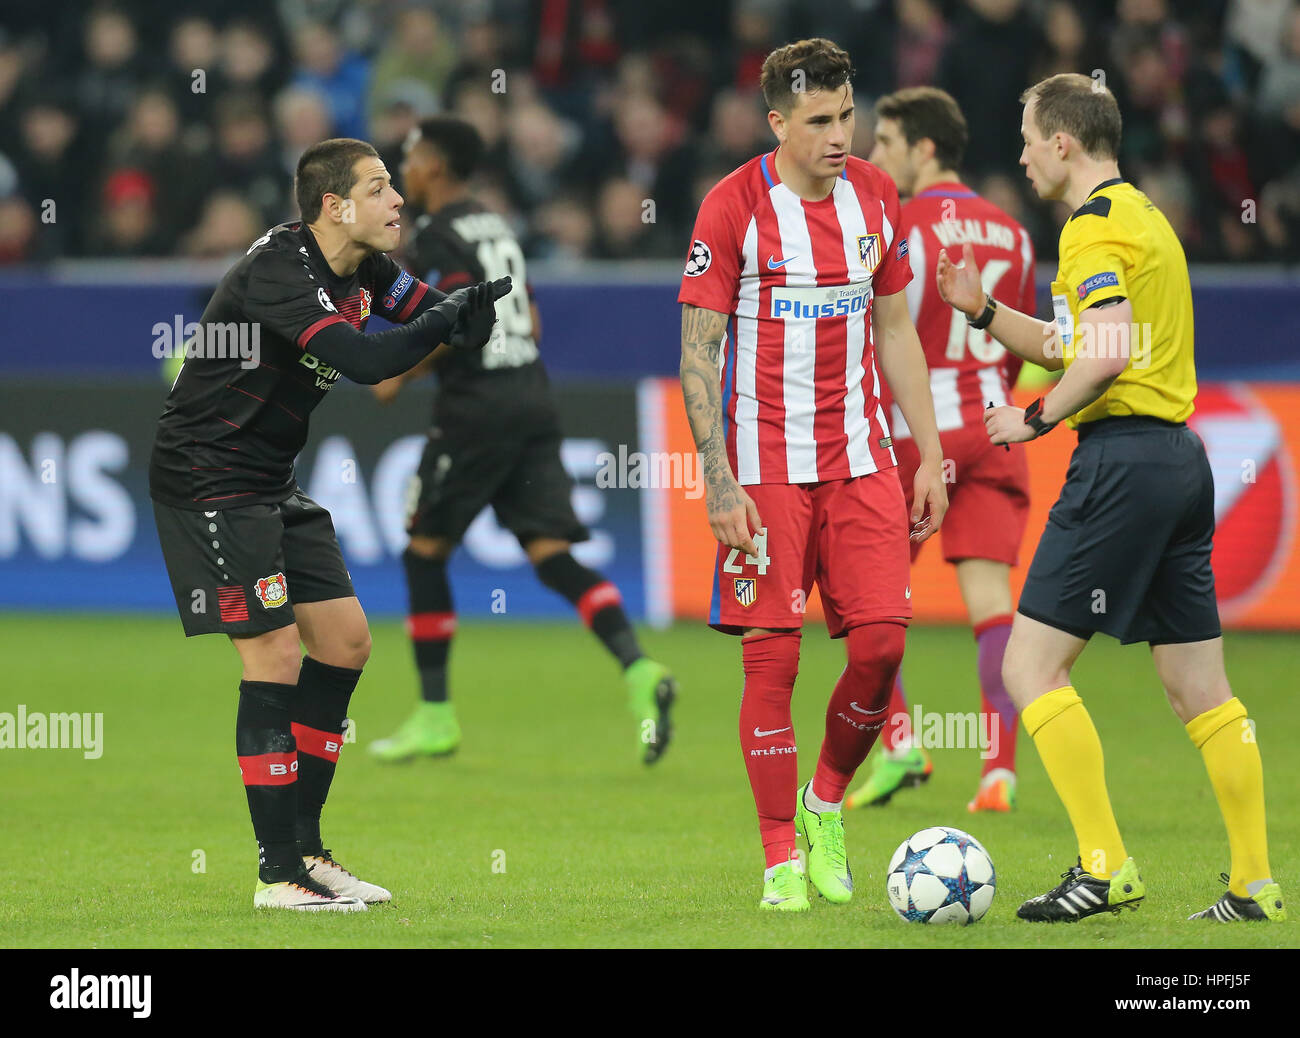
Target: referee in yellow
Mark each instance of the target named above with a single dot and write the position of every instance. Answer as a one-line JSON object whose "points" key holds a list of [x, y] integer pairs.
{"points": [[1127, 546]]}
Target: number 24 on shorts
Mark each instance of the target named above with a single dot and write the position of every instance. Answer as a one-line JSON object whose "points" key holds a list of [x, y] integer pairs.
{"points": [[761, 560]]}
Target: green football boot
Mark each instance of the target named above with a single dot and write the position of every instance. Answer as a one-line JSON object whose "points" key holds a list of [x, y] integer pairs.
{"points": [[828, 862], [651, 691], [786, 891], [889, 775], [432, 731]]}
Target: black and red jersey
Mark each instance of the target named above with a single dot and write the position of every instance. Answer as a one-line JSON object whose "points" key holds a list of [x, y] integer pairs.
{"points": [[458, 245], [236, 417]]}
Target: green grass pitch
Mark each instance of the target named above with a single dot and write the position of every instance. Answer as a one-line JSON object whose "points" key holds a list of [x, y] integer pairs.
{"points": [[545, 830]]}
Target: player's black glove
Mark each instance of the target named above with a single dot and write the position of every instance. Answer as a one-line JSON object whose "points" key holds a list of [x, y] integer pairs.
{"points": [[471, 312]]}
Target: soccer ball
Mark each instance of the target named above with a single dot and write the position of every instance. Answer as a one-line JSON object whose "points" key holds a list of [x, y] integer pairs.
{"points": [[940, 875]]}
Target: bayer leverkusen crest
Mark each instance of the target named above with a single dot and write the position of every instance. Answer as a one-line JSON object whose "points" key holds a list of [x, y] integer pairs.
{"points": [[869, 251], [746, 591], [272, 591]]}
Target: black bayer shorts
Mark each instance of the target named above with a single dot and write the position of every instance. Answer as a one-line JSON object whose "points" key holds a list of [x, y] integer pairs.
{"points": [[1126, 550], [515, 470], [239, 571]]}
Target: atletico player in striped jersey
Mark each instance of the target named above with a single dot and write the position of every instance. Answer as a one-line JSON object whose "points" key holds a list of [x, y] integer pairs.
{"points": [[792, 292], [920, 139]]}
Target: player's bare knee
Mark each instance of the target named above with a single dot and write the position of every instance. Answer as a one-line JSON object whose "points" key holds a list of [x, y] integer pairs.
{"points": [[357, 649], [1194, 695], [273, 656], [539, 549], [1025, 678], [430, 547], [349, 648]]}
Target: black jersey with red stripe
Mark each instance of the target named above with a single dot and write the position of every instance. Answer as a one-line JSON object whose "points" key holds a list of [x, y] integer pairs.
{"points": [[458, 245], [236, 417]]}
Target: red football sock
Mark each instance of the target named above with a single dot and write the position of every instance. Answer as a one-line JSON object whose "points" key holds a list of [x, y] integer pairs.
{"points": [[1003, 718], [767, 738], [859, 705], [898, 725]]}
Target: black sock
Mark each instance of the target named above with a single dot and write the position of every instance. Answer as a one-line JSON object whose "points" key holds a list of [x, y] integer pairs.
{"points": [[431, 622], [320, 711], [269, 765], [597, 601]]}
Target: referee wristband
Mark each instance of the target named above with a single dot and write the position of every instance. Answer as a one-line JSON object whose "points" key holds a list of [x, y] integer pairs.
{"points": [[986, 315], [1033, 419]]}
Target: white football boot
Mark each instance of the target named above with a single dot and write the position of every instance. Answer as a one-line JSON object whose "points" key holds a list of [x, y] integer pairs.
{"points": [[330, 874], [304, 894]]}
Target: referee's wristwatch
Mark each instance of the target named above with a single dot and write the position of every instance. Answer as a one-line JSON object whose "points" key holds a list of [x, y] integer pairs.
{"points": [[1034, 419], [986, 315]]}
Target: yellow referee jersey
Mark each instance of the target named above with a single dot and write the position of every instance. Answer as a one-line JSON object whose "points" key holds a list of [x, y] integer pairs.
{"points": [[1118, 245]]}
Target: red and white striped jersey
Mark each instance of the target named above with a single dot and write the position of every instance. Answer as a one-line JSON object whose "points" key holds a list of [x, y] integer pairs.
{"points": [[968, 368], [800, 388]]}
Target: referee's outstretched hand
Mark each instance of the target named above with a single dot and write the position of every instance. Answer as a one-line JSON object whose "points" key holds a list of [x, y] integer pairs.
{"points": [[475, 313], [959, 284]]}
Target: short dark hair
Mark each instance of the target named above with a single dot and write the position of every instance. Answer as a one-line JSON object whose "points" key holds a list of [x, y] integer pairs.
{"points": [[457, 141], [327, 168], [923, 112], [1072, 103], [802, 67]]}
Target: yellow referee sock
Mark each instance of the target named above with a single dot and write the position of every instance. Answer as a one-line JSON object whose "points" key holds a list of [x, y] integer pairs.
{"points": [[1226, 740], [1067, 742]]}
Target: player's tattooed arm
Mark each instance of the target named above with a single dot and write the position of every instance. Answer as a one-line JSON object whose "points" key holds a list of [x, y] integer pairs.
{"points": [[732, 513], [702, 332]]}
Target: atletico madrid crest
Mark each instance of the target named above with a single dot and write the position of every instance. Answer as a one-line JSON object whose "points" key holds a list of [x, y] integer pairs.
{"points": [[869, 251], [746, 591]]}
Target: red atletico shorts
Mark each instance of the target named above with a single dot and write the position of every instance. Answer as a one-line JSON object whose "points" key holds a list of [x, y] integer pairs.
{"points": [[849, 535], [988, 494]]}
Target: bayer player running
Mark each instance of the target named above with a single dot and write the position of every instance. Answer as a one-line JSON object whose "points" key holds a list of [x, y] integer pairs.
{"points": [[495, 439], [920, 140], [248, 553]]}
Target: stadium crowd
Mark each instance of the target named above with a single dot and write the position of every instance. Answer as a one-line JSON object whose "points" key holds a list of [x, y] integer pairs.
{"points": [[155, 128]]}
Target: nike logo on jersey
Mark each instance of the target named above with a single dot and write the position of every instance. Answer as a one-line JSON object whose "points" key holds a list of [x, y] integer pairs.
{"points": [[759, 733], [869, 713], [772, 264]]}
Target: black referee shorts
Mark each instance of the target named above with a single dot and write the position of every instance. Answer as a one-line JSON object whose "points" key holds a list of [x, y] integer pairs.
{"points": [[239, 571], [517, 471], [1127, 546]]}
